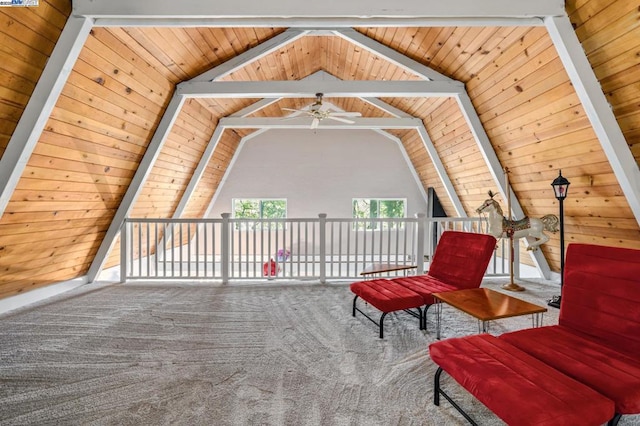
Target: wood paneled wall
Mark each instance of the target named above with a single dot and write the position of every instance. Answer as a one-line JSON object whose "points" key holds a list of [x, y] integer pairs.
{"points": [[535, 121], [34, 244], [609, 32], [27, 38], [97, 135]]}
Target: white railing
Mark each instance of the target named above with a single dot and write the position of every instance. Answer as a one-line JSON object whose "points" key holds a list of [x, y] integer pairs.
{"points": [[316, 248]]}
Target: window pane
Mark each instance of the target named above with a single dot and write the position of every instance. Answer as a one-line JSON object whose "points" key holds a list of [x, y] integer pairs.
{"points": [[274, 209], [361, 208], [364, 208], [255, 208], [246, 209], [392, 208]]}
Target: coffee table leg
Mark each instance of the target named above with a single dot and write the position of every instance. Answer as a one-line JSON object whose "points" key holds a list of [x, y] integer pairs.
{"points": [[536, 319], [438, 317]]}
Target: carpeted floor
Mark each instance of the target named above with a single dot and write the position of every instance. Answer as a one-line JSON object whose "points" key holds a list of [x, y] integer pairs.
{"points": [[242, 354]]}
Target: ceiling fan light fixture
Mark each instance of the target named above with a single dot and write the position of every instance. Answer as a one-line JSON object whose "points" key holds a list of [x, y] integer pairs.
{"points": [[318, 114]]}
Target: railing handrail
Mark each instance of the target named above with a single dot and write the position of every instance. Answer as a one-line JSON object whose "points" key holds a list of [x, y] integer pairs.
{"points": [[316, 247]]}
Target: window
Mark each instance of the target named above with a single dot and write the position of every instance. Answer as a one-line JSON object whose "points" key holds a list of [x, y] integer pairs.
{"points": [[378, 208], [255, 208]]}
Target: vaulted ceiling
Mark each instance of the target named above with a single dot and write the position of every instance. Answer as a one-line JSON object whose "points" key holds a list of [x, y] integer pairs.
{"points": [[137, 99]]}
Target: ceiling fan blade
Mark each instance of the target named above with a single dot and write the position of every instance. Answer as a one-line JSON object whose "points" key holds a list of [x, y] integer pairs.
{"points": [[294, 110], [314, 123], [343, 120]]}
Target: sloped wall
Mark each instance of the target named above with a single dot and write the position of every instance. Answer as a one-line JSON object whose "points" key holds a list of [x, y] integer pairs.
{"points": [[534, 119], [27, 245], [96, 137]]}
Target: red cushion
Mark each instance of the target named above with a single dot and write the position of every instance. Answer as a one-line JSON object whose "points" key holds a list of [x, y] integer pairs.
{"points": [[601, 294], [588, 360], [461, 258], [518, 388], [425, 286], [386, 295]]}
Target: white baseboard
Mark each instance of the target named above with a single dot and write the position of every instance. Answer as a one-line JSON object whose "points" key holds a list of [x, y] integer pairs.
{"points": [[21, 300]]}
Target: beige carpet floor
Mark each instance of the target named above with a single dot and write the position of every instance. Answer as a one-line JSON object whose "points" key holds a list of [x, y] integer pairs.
{"points": [[240, 354]]}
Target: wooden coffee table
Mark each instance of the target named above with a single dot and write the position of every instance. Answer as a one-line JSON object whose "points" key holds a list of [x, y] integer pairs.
{"points": [[486, 305]]}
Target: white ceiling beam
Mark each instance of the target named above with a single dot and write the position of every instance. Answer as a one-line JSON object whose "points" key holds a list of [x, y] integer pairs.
{"points": [[301, 122], [287, 12], [441, 171], [407, 160], [391, 55], [263, 103], [137, 184], [303, 88], [496, 170], [597, 109], [41, 103], [376, 102], [382, 105], [199, 171], [251, 55], [274, 22], [255, 107]]}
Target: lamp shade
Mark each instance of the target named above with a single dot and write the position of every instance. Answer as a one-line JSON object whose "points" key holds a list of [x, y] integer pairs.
{"points": [[560, 186]]}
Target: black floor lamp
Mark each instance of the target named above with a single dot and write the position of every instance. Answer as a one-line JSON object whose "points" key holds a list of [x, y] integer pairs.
{"points": [[560, 188]]}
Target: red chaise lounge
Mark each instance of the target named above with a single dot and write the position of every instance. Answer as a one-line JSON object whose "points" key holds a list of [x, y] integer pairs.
{"points": [[590, 361], [459, 262]]}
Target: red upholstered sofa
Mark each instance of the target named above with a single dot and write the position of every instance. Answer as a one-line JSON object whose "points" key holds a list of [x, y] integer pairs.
{"points": [[460, 261], [594, 350]]}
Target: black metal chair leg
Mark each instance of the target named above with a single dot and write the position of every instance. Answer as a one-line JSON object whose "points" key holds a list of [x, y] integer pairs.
{"points": [[614, 421], [382, 325], [436, 387], [424, 317], [437, 391], [354, 305]]}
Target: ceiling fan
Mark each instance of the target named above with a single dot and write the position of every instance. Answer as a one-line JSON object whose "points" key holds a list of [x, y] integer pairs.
{"points": [[317, 113]]}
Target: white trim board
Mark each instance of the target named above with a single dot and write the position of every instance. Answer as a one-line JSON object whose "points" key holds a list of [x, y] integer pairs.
{"points": [[22, 300]]}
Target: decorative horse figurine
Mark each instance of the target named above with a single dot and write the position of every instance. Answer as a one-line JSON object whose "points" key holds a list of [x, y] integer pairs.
{"points": [[501, 227]]}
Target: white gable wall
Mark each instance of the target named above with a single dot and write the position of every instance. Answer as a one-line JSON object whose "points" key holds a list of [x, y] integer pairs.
{"points": [[320, 172]]}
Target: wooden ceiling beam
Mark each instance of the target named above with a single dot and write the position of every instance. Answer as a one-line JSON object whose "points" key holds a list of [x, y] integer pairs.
{"points": [[267, 22], [308, 89], [301, 122], [441, 170], [289, 13]]}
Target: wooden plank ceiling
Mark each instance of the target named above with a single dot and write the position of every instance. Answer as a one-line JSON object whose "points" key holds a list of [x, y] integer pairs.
{"points": [[123, 80]]}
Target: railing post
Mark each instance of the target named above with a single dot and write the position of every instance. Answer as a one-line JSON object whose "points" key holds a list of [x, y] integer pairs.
{"points": [[224, 247], [420, 248], [123, 251], [323, 247]]}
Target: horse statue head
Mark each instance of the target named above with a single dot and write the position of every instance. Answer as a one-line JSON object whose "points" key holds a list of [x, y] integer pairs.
{"points": [[490, 205], [500, 226]]}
